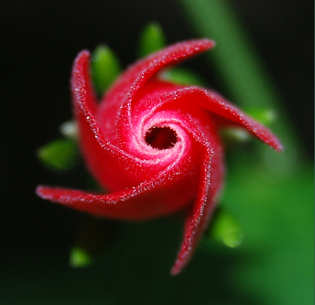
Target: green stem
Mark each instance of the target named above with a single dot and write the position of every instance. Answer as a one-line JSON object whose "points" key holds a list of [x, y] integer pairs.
{"points": [[240, 68]]}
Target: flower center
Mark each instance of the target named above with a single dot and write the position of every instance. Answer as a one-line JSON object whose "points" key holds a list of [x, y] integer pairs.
{"points": [[161, 137]]}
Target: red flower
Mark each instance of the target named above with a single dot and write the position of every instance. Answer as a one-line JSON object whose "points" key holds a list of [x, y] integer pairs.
{"points": [[153, 144]]}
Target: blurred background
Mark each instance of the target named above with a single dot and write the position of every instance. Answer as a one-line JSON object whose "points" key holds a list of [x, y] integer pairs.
{"points": [[39, 41]]}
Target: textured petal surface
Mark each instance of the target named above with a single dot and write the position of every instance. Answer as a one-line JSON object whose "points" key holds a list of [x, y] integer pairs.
{"points": [[153, 144]]}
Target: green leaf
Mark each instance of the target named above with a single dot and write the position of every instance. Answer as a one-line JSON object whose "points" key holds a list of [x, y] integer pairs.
{"points": [[105, 68], [265, 116], [80, 258], [59, 155], [182, 76], [236, 135], [152, 39], [95, 236], [233, 136], [276, 214], [226, 229], [242, 71]]}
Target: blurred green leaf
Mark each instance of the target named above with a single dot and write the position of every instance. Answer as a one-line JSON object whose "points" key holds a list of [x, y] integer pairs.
{"points": [[80, 258], [226, 229], [243, 72], [152, 39], [276, 214], [274, 265], [182, 76], [264, 116], [95, 236], [234, 136], [59, 155], [105, 68]]}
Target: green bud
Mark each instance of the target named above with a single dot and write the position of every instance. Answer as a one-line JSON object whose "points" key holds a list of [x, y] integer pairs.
{"points": [[79, 258], [234, 136], [152, 39], [226, 230], [264, 116], [183, 77], [105, 68], [59, 155], [95, 236]]}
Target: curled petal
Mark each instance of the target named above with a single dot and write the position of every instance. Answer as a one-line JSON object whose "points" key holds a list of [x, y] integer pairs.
{"points": [[153, 144], [138, 203], [225, 112], [103, 128], [210, 185]]}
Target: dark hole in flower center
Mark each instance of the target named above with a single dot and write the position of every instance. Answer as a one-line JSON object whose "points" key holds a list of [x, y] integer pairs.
{"points": [[161, 137]]}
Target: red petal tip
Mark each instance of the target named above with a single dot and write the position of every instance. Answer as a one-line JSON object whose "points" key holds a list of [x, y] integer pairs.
{"points": [[40, 191], [175, 271], [279, 147]]}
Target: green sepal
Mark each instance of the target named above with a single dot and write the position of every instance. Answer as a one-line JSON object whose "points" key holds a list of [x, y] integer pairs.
{"points": [[95, 236], [105, 68], [234, 136], [225, 229], [152, 39], [59, 155], [181, 76], [265, 116], [80, 258]]}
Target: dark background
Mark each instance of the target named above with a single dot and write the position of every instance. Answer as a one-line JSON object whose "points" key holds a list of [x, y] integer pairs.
{"points": [[39, 40]]}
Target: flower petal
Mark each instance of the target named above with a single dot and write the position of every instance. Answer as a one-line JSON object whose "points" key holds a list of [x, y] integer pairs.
{"points": [[224, 111], [153, 174], [215, 103], [139, 73], [210, 184], [196, 220], [123, 93], [147, 200], [98, 145]]}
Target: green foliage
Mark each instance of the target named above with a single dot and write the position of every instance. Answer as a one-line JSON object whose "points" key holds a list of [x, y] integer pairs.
{"points": [[226, 229], [234, 136], [272, 266], [265, 116], [152, 39], [183, 76], [79, 258], [105, 68], [94, 238], [276, 214], [242, 71], [59, 155]]}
